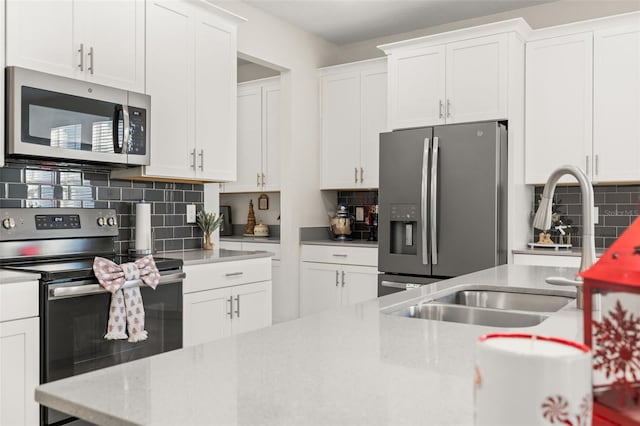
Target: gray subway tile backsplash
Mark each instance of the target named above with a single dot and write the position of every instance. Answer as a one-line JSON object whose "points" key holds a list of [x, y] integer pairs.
{"points": [[617, 204], [35, 186]]}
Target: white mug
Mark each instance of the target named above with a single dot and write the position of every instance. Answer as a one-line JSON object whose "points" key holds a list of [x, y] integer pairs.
{"points": [[522, 379]]}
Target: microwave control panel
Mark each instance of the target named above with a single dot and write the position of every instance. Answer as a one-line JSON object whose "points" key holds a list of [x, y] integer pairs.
{"points": [[138, 131]]}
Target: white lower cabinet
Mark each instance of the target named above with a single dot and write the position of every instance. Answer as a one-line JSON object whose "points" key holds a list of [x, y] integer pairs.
{"points": [[327, 285], [227, 298], [19, 353]]}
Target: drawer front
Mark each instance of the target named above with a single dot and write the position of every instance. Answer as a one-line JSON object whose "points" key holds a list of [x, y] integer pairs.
{"points": [[231, 245], [366, 256], [546, 260], [225, 274], [18, 300], [273, 248]]}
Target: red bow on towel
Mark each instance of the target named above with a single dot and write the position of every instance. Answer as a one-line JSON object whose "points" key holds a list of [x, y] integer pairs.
{"points": [[126, 309], [112, 276]]}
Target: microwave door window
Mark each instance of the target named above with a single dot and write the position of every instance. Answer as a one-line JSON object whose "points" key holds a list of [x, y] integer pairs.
{"points": [[67, 122]]}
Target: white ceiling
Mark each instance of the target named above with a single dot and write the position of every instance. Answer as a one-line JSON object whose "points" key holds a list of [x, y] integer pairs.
{"points": [[348, 21]]}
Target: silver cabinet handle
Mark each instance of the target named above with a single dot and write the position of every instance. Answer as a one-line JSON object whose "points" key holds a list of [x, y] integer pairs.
{"points": [[126, 125], [201, 155], [193, 159], [230, 313], [238, 306], [342, 278], [448, 108], [85, 290], [587, 162], [263, 179], [90, 55], [233, 274], [433, 207], [440, 113], [361, 175], [337, 275], [339, 255], [355, 175], [81, 52], [257, 179], [423, 199]]}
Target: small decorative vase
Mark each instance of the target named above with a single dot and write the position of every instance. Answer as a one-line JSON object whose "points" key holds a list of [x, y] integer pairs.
{"points": [[208, 244]]}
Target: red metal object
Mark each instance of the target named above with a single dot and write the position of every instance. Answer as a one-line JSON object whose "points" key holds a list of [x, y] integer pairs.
{"points": [[613, 331]]}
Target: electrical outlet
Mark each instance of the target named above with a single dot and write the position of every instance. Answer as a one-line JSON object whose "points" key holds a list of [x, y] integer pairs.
{"points": [[191, 213], [596, 212]]}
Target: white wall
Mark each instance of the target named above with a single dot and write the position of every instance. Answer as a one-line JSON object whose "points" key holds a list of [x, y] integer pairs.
{"points": [[544, 15], [249, 72], [269, 41]]}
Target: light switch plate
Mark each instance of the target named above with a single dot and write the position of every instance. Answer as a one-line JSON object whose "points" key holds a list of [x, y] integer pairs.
{"points": [[191, 213]]}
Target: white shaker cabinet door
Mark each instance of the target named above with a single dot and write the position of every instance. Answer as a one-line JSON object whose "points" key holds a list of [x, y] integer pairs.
{"points": [[170, 60], [477, 79], [19, 372], [340, 130], [558, 106], [616, 105], [113, 34], [207, 316], [360, 284], [271, 136], [374, 122], [249, 140], [215, 98], [40, 36], [319, 287], [251, 307], [417, 87]]}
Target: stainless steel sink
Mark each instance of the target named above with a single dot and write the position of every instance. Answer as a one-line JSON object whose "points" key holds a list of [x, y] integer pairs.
{"points": [[506, 300], [470, 315]]}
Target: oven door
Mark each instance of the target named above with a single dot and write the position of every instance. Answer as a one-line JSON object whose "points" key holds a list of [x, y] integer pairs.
{"points": [[74, 323]]}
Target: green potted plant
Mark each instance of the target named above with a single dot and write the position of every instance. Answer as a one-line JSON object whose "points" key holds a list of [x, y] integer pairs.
{"points": [[208, 222]]}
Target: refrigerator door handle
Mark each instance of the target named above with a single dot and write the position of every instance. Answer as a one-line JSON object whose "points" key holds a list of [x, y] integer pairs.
{"points": [[424, 200], [433, 205]]}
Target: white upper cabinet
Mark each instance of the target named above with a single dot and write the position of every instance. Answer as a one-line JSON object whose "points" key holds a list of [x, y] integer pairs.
{"points": [[583, 100], [191, 78], [102, 42], [417, 91], [353, 114], [456, 77], [258, 137], [616, 105], [476, 79], [558, 105]]}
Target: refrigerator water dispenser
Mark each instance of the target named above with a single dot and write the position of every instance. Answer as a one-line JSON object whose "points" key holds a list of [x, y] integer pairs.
{"points": [[404, 229]]}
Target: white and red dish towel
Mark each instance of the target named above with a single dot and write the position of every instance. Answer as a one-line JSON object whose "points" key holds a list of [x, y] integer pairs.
{"points": [[126, 310]]}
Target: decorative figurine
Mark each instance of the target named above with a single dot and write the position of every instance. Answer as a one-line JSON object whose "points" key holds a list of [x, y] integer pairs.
{"points": [[251, 220]]}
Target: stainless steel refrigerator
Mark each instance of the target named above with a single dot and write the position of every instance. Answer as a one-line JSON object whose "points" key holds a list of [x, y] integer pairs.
{"points": [[442, 203]]}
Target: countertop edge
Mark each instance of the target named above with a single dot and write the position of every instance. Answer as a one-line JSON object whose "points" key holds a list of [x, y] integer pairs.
{"points": [[353, 243], [199, 257]]}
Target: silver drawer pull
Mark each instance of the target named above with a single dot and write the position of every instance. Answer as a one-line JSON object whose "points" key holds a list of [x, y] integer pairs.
{"points": [[339, 255], [233, 274]]}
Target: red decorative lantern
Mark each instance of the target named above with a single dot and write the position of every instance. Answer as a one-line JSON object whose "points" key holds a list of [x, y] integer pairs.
{"points": [[612, 330]]}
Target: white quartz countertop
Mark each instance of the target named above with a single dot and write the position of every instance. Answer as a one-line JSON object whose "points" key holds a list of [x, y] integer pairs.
{"points": [[196, 257], [241, 238], [575, 251], [349, 366], [8, 276]]}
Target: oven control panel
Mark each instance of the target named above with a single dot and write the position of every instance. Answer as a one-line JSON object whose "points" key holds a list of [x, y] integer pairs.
{"points": [[57, 221]]}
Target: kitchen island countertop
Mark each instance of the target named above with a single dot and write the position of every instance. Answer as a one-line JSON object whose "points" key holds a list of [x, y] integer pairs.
{"points": [[349, 366], [199, 256], [352, 243]]}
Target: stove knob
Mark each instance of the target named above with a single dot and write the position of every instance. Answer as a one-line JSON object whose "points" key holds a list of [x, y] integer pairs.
{"points": [[100, 221], [111, 221], [8, 223]]}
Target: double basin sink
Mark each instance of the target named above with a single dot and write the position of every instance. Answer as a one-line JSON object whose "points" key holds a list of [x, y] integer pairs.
{"points": [[490, 307]]}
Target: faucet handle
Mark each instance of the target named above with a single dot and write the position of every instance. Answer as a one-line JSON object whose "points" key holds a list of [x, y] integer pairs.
{"points": [[564, 281], [577, 283]]}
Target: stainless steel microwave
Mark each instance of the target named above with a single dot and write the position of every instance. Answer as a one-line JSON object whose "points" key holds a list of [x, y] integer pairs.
{"points": [[62, 119]]}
